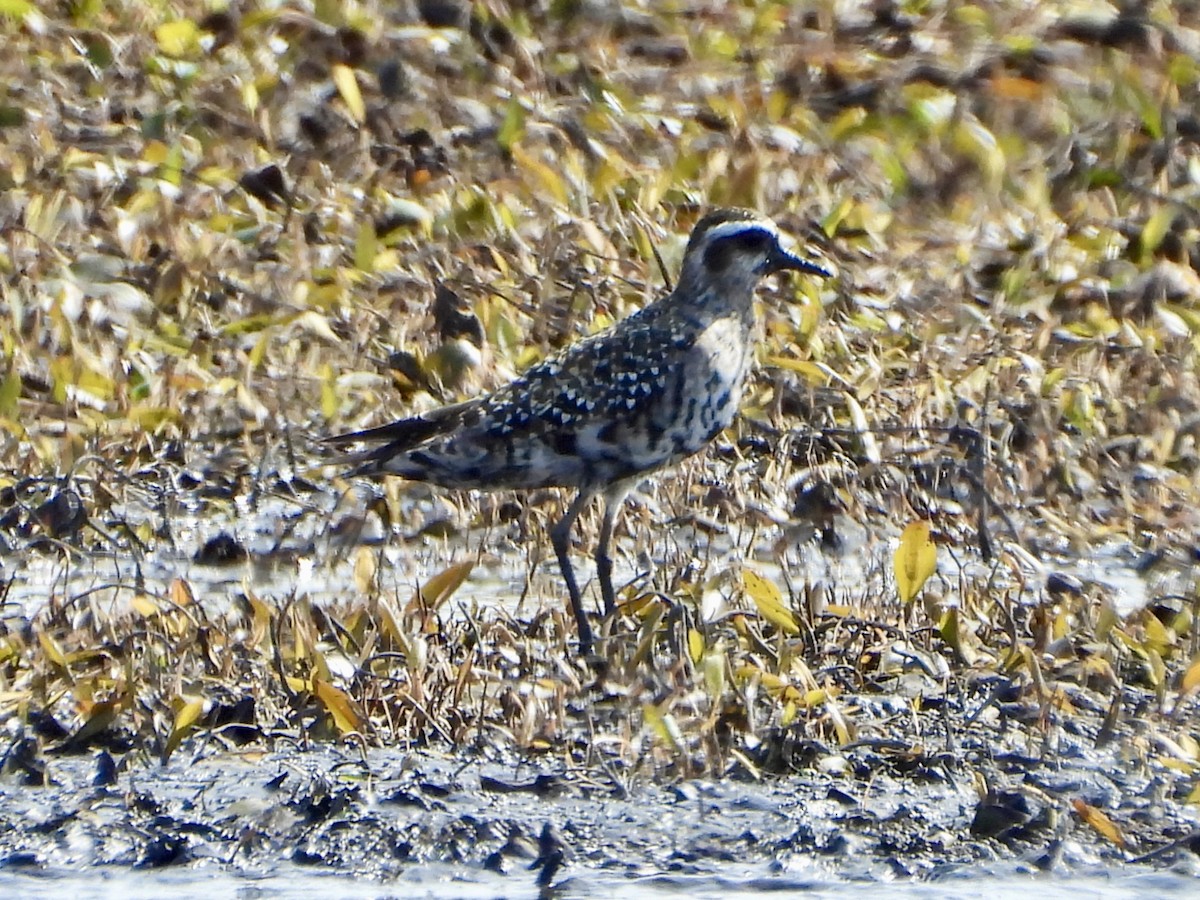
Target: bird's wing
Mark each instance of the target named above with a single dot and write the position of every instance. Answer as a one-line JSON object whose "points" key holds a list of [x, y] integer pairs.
{"points": [[613, 376], [548, 427]]}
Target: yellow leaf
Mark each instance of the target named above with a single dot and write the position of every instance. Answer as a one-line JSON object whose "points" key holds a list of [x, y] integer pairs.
{"points": [[915, 560], [438, 589], [347, 85], [845, 732], [654, 721], [813, 373], [769, 602], [329, 393], [858, 419], [255, 358], [185, 717], [664, 726], [1053, 378], [250, 96], [364, 570], [951, 631], [546, 176], [320, 667], [713, 667], [53, 652], [388, 626], [347, 717], [513, 125], [1191, 678], [144, 606], [774, 684], [261, 625], [181, 593], [975, 141], [316, 324], [1099, 822], [747, 672], [1158, 635], [1106, 620], [695, 645], [100, 717], [849, 121], [817, 697], [1157, 669], [248, 325], [788, 715], [177, 38]]}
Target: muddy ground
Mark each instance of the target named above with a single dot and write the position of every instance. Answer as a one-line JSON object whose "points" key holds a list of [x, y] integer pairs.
{"points": [[961, 788]]}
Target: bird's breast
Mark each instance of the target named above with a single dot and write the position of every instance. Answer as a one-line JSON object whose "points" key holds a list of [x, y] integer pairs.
{"points": [[715, 372], [698, 397]]}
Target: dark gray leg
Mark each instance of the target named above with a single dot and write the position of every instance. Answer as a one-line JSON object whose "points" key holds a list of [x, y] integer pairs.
{"points": [[560, 539], [614, 497]]}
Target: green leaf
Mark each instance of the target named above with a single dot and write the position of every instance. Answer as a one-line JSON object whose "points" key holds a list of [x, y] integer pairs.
{"points": [[11, 116], [513, 126], [15, 9], [1156, 229], [10, 393], [366, 248]]}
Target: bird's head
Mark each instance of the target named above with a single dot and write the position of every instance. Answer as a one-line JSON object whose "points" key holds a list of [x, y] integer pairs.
{"points": [[737, 247]]}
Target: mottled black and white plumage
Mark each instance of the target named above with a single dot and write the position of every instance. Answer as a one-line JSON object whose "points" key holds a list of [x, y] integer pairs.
{"points": [[647, 392]]}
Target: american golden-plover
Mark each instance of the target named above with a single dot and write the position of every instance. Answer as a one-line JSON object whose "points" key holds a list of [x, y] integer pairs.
{"points": [[648, 391]]}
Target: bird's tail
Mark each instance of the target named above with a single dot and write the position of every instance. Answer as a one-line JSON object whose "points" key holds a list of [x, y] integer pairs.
{"points": [[395, 438]]}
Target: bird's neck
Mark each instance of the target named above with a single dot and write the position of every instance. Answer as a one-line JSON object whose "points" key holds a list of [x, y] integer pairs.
{"points": [[703, 301]]}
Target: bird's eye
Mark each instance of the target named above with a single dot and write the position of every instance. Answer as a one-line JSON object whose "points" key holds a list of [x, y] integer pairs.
{"points": [[755, 241], [722, 251]]}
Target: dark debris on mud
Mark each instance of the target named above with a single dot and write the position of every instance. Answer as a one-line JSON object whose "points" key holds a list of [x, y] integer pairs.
{"points": [[959, 784]]}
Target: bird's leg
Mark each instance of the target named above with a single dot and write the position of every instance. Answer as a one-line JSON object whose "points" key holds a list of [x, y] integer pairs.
{"points": [[560, 539], [614, 498]]}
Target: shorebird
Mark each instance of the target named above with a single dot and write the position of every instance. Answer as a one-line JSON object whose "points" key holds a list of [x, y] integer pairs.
{"points": [[648, 391]]}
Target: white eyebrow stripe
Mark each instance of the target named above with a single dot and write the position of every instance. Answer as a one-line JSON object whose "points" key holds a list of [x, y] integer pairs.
{"points": [[728, 229]]}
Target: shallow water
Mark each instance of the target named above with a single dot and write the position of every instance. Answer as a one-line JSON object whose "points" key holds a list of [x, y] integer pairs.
{"points": [[447, 882], [316, 560]]}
